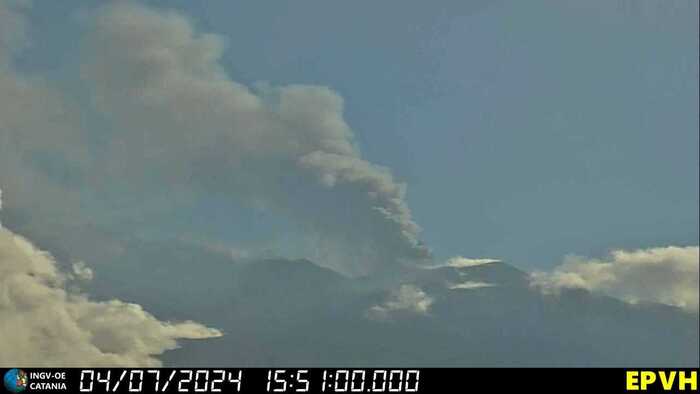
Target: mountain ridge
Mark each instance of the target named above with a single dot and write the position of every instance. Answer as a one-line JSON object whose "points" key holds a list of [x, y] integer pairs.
{"points": [[294, 312]]}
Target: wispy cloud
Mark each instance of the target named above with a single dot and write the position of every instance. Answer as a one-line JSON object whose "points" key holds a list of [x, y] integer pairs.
{"points": [[463, 262], [469, 285], [407, 299]]}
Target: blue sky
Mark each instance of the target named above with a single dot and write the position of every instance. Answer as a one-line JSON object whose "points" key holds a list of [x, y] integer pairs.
{"points": [[525, 131]]}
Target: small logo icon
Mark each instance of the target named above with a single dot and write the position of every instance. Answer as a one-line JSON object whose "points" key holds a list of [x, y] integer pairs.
{"points": [[16, 380]]}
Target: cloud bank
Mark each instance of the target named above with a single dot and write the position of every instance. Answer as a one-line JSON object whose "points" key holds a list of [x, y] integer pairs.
{"points": [[46, 325], [667, 275]]}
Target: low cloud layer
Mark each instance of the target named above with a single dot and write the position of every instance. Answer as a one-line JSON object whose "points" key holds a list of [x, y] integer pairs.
{"points": [[406, 300], [44, 324], [667, 275]]}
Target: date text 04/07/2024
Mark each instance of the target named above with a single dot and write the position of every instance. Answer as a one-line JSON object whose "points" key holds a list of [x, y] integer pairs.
{"points": [[272, 380]]}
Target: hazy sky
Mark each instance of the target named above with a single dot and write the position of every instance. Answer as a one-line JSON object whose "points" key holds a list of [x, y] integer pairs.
{"points": [[525, 131]]}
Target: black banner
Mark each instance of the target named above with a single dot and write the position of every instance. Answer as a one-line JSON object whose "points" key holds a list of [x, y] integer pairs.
{"points": [[346, 380]]}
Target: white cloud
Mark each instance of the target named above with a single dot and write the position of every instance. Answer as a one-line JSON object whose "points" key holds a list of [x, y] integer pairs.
{"points": [[82, 271], [469, 285], [463, 262], [667, 275], [407, 299], [45, 324]]}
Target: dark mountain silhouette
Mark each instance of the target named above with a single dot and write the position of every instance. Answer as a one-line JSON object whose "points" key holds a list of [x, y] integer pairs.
{"points": [[294, 312]]}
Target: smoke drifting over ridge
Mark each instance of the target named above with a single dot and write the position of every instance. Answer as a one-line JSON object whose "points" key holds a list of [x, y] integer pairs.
{"points": [[181, 119]]}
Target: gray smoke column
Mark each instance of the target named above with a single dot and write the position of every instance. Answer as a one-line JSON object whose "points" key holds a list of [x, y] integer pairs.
{"points": [[180, 120]]}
